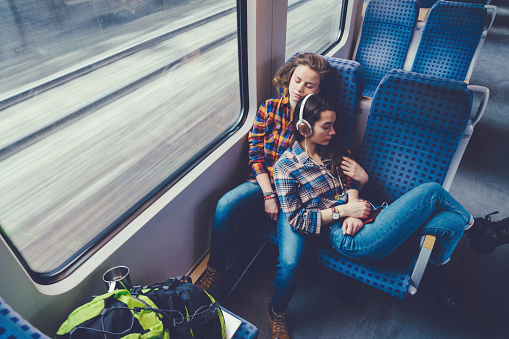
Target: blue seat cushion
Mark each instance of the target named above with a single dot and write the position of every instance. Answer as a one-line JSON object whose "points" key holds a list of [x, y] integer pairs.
{"points": [[390, 274], [14, 326]]}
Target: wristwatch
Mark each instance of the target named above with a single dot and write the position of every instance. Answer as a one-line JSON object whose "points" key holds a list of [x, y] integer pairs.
{"points": [[335, 214]]}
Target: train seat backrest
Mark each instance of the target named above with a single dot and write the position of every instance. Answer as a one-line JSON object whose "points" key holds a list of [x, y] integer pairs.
{"points": [[413, 130], [450, 39], [427, 3], [430, 3], [348, 87], [386, 33], [412, 133]]}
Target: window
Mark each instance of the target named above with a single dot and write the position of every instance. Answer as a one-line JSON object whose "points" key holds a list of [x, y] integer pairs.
{"points": [[102, 103], [313, 25]]}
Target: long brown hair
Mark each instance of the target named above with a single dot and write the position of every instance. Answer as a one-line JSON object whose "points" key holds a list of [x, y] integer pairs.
{"points": [[316, 62], [337, 147]]}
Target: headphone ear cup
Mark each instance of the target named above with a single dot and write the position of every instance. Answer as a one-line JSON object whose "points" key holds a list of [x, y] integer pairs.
{"points": [[304, 128]]}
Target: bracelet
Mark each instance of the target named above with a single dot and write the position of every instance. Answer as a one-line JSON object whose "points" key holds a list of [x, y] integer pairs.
{"points": [[269, 196], [268, 193]]}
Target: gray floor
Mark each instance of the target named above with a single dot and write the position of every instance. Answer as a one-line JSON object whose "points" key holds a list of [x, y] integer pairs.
{"points": [[481, 185]]}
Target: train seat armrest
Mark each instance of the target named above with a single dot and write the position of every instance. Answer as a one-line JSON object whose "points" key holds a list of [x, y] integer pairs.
{"points": [[485, 92], [421, 263]]}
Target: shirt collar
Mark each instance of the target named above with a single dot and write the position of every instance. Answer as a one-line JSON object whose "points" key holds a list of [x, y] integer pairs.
{"points": [[303, 157]]}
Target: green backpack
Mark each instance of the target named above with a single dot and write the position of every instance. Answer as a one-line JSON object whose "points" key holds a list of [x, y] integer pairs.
{"points": [[172, 310]]}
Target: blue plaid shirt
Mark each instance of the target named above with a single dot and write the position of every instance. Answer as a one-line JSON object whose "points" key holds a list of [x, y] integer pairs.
{"points": [[305, 188]]}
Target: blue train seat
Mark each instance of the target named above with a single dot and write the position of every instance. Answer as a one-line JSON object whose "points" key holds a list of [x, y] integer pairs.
{"points": [[430, 3], [386, 33], [348, 87], [412, 137], [427, 3], [246, 330], [425, 6], [348, 84], [14, 326], [451, 39]]}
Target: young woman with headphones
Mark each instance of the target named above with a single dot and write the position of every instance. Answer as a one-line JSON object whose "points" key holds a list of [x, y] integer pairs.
{"points": [[319, 198], [316, 157], [250, 203]]}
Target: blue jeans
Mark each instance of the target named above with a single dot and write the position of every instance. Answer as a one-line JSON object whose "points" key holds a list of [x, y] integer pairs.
{"points": [[426, 209], [241, 207], [293, 248]]}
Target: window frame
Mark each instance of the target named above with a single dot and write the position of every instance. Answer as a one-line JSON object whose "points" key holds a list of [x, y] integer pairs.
{"points": [[341, 31], [93, 246]]}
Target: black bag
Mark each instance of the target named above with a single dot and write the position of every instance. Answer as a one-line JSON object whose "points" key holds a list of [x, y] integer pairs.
{"points": [[172, 310]]}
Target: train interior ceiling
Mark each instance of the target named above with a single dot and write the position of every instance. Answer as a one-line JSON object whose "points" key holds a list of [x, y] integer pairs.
{"points": [[122, 123]]}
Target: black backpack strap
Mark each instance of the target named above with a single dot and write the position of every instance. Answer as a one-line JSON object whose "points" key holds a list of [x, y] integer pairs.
{"points": [[136, 290], [210, 314]]}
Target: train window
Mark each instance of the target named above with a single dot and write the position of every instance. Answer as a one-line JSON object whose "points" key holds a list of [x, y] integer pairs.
{"points": [[102, 104], [313, 26]]}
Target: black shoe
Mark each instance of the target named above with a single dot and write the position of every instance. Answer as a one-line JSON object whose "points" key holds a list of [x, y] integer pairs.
{"points": [[438, 283], [495, 233]]}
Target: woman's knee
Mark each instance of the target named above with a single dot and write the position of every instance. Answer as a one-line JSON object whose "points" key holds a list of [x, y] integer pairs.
{"points": [[227, 202], [431, 188], [238, 198], [291, 255], [289, 266]]}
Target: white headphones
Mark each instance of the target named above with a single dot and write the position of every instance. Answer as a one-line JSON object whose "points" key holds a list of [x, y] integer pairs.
{"points": [[303, 126]]}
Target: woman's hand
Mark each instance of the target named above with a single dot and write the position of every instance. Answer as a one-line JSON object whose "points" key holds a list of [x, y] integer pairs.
{"points": [[351, 168], [271, 209], [352, 226], [356, 208]]}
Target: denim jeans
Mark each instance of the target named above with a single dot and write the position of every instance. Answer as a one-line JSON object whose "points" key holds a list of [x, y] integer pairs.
{"points": [[292, 252], [241, 207], [426, 209]]}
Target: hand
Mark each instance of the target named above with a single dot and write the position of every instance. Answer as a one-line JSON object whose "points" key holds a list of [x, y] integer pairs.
{"points": [[352, 226], [356, 208], [351, 168], [272, 209]]}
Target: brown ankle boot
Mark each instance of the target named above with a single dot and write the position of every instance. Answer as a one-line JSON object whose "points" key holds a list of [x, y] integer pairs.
{"points": [[208, 280], [277, 324]]}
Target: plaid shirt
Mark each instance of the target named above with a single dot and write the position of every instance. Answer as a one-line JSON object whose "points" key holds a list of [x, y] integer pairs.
{"points": [[270, 136], [304, 189]]}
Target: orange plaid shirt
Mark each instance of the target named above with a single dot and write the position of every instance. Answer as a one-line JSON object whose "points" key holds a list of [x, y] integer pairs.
{"points": [[271, 135]]}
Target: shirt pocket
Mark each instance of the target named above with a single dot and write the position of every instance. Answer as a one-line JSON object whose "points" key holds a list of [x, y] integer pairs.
{"points": [[272, 134]]}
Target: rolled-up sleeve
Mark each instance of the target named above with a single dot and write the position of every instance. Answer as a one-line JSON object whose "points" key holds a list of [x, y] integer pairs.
{"points": [[351, 184], [301, 219], [256, 140]]}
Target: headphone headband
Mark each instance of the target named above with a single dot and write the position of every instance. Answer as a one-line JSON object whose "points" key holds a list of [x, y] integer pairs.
{"points": [[301, 113]]}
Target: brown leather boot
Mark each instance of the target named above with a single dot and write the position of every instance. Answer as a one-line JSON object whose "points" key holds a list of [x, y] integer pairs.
{"points": [[277, 323], [208, 280]]}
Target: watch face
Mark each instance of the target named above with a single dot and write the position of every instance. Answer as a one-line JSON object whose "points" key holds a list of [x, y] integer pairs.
{"points": [[335, 215]]}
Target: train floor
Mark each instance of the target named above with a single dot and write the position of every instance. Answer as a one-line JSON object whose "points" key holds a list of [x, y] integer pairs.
{"points": [[327, 305]]}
